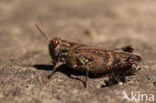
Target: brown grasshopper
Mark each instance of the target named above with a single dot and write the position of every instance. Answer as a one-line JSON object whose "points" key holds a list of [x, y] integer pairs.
{"points": [[90, 59]]}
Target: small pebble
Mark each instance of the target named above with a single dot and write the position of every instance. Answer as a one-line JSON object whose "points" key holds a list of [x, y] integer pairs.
{"points": [[120, 83], [154, 84]]}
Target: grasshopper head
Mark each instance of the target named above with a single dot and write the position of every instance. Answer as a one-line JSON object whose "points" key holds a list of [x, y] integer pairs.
{"points": [[55, 44], [54, 47]]}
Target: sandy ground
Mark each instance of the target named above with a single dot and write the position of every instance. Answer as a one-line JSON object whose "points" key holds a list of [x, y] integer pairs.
{"points": [[24, 58]]}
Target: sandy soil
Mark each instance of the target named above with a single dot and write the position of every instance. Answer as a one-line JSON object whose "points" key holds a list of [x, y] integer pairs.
{"points": [[25, 61]]}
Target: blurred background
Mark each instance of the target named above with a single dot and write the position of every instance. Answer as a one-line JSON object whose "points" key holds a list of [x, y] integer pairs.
{"points": [[104, 23], [84, 21]]}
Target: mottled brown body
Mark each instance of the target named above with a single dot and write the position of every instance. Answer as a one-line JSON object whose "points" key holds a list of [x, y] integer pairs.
{"points": [[90, 59], [93, 60]]}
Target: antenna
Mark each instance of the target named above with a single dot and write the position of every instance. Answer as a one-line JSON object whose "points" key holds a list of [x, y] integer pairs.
{"points": [[41, 30]]}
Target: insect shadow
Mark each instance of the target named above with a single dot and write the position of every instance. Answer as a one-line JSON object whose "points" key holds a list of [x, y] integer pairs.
{"points": [[65, 70], [114, 79]]}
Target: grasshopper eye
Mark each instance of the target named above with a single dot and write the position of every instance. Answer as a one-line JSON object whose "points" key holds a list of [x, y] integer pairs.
{"points": [[55, 43]]}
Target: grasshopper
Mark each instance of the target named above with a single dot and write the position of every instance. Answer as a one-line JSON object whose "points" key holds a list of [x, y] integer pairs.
{"points": [[91, 60]]}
